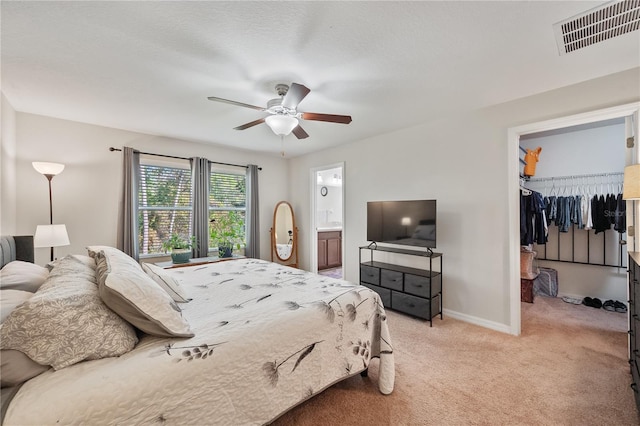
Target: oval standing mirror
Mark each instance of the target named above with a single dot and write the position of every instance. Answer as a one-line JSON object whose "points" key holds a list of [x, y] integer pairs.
{"points": [[284, 235]]}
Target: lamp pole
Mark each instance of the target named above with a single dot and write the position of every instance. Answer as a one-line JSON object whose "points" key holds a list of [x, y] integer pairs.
{"points": [[49, 178]]}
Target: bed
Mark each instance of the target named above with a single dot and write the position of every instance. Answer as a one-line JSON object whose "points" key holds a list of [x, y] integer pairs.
{"points": [[239, 342]]}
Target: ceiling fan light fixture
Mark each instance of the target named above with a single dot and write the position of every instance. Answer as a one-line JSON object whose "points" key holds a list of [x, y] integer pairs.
{"points": [[281, 125]]}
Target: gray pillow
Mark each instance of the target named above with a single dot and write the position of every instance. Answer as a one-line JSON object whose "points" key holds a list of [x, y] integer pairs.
{"points": [[126, 289], [16, 368], [19, 275], [87, 260], [11, 299], [66, 322]]}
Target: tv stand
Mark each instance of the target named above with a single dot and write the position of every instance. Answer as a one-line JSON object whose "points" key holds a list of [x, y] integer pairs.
{"points": [[414, 291]]}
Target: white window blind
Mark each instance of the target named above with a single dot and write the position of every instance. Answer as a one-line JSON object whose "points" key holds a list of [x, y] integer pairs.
{"points": [[227, 193], [164, 205]]}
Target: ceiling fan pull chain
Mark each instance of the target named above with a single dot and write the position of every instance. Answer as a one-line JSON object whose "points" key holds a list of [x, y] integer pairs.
{"points": [[282, 145]]}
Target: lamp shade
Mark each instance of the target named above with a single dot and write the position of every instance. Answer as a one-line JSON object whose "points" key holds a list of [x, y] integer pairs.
{"points": [[51, 236], [406, 221], [48, 168], [281, 124], [631, 188]]}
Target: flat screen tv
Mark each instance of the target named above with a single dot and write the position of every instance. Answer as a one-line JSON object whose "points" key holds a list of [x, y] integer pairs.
{"points": [[408, 223]]}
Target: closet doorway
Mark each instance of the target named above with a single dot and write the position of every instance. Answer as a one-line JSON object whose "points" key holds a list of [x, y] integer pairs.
{"points": [[626, 113], [327, 217]]}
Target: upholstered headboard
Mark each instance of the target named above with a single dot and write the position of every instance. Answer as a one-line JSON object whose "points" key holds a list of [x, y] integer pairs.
{"points": [[16, 248]]}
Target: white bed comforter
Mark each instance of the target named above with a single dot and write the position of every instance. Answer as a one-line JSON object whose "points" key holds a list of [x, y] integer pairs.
{"points": [[266, 338]]}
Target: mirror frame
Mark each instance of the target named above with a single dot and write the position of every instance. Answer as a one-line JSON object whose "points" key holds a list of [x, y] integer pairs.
{"points": [[292, 260]]}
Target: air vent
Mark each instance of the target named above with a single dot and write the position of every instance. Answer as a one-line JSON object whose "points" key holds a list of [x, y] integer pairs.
{"points": [[596, 25]]}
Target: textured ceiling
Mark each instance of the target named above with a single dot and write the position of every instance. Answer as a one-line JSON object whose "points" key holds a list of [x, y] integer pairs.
{"points": [[150, 66]]}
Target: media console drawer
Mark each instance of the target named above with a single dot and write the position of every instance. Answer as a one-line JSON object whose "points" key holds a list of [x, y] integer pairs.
{"points": [[391, 279], [369, 274], [416, 306], [385, 294]]}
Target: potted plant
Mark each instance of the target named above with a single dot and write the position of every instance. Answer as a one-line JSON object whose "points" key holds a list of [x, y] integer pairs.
{"points": [[180, 247], [227, 232]]}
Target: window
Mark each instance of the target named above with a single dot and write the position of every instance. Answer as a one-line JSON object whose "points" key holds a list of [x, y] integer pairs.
{"points": [[164, 204], [227, 196]]}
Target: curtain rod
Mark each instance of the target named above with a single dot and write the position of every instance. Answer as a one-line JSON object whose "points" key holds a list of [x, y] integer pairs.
{"points": [[577, 176], [181, 158]]}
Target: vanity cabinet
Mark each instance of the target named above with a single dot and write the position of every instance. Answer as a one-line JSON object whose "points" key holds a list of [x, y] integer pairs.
{"points": [[329, 249]]}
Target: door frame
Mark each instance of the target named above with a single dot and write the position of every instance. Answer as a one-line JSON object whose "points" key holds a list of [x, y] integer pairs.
{"points": [[513, 184], [313, 241]]}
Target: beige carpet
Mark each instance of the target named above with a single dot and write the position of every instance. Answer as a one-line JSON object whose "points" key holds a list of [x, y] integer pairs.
{"points": [[569, 367]]}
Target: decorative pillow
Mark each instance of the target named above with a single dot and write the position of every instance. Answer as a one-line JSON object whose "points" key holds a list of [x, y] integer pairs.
{"points": [[111, 251], [87, 260], [16, 368], [11, 299], [19, 275], [65, 321], [131, 293], [166, 281]]}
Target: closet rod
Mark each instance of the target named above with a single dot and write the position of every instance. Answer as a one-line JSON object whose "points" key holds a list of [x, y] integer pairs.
{"points": [[576, 176], [182, 158]]}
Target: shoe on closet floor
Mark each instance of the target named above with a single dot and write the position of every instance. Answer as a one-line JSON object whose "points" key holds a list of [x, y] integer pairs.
{"points": [[609, 305], [596, 303], [587, 301], [620, 307]]}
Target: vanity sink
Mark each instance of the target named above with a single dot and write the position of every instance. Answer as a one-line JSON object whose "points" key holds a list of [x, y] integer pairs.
{"points": [[329, 228]]}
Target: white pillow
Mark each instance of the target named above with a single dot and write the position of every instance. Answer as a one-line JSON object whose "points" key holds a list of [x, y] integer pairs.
{"points": [[10, 299], [19, 275], [166, 281], [132, 294]]}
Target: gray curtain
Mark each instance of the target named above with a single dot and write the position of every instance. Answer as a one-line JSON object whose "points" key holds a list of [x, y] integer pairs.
{"points": [[200, 174], [128, 220], [253, 214]]}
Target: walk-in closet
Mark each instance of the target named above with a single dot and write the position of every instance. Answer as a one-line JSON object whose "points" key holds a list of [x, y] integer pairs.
{"points": [[571, 185]]}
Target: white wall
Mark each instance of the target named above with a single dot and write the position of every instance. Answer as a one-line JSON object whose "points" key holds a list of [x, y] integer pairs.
{"points": [[580, 152], [7, 169], [86, 195], [462, 162]]}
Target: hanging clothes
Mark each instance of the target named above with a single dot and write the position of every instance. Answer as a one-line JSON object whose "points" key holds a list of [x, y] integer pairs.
{"points": [[620, 223], [533, 225]]}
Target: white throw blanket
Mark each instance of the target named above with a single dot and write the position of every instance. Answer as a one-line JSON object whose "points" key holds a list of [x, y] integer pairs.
{"points": [[267, 337]]}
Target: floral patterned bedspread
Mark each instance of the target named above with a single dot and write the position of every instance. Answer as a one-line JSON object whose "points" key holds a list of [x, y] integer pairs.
{"points": [[267, 337]]}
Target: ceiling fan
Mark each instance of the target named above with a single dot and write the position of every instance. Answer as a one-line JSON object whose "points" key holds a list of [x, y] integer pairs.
{"points": [[284, 116]]}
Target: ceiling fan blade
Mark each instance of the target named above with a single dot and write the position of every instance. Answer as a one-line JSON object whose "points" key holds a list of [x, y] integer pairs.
{"points": [[295, 94], [227, 101], [333, 118], [299, 132], [251, 124]]}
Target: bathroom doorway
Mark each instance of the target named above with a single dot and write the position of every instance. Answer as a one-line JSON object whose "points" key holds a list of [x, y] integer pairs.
{"points": [[327, 212]]}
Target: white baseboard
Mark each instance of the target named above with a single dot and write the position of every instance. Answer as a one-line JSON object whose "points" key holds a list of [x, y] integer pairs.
{"points": [[503, 328]]}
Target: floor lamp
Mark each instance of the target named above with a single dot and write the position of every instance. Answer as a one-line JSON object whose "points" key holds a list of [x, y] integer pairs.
{"points": [[50, 235]]}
